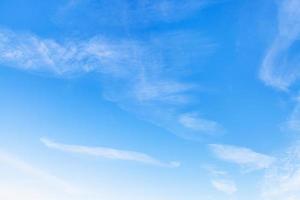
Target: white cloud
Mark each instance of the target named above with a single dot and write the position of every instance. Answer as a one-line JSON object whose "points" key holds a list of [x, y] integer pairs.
{"points": [[136, 75], [29, 52], [192, 121], [221, 180], [214, 171], [16, 190], [226, 186], [129, 13], [123, 61], [109, 153], [293, 121], [282, 180], [38, 182], [161, 91], [280, 67], [242, 156]]}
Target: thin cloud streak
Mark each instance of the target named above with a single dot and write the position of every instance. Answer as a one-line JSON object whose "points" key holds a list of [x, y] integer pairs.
{"points": [[130, 13], [221, 180], [109, 153], [242, 156], [192, 121], [34, 172], [293, 122], [226, 186]]}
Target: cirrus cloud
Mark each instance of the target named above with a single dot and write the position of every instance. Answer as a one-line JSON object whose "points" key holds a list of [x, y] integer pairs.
{"points": [[108, 153], [242, 156]]}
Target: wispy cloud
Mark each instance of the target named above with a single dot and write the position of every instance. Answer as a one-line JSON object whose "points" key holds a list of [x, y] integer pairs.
{"points": [[109, 153], [29, 52], [293, 121], [282, 180], [192, 121], [280, 67], [225, 186], [161, 91], [139, 76], [242, 156], [36, 173], [130, 13], [214, 171], [221, 180]]}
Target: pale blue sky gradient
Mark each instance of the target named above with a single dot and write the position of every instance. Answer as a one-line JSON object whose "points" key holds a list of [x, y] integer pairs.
{"points": [[152, 100]]}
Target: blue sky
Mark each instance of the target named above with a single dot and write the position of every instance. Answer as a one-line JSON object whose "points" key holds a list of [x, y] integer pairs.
{"points": [[153, 100]]}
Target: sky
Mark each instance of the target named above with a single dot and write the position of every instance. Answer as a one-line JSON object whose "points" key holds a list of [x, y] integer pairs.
{"points": [[150, 99]]}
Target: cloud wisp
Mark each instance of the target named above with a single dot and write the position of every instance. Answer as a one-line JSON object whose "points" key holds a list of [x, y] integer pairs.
{"points": [[192, 121], [36, 173], [282, 180], [280, 67], [109, 153], [135, 75], [293, 122], [226, 186], [130, 13], [221, 180], [30, 52], [242, 156]]}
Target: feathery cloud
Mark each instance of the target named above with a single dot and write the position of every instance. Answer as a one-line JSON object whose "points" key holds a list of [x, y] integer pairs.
{"points": [[282, 180], [293, 121], [36, 173], [192, 121], [130, 13], [29, 52], [221, 180], [109, 153], [280, 67], [225, 186], [133, 73], [242, 156]]}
